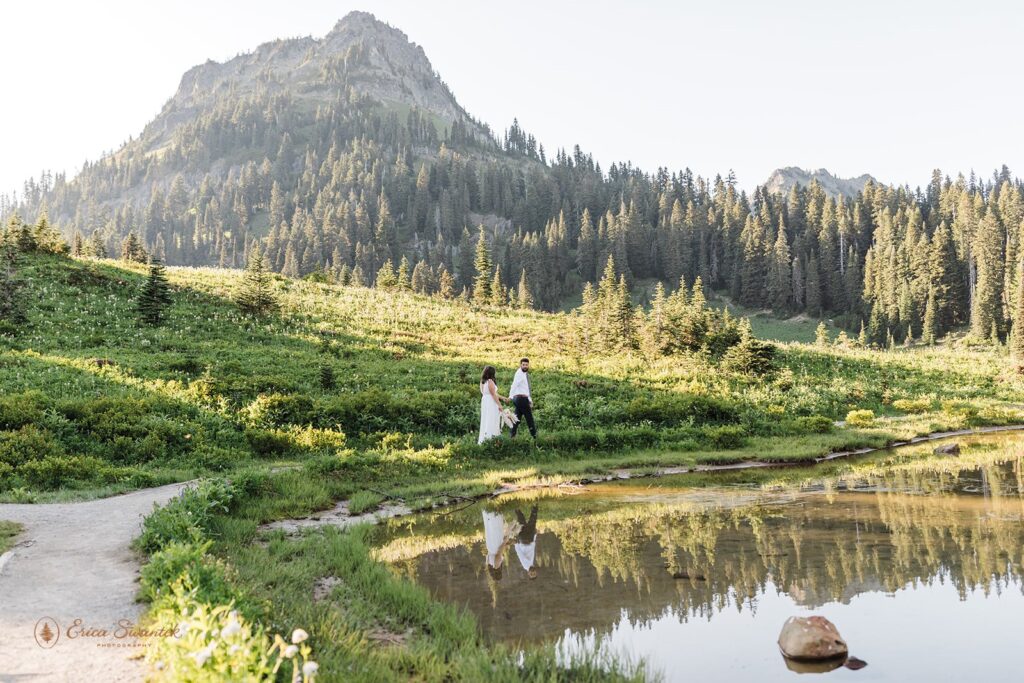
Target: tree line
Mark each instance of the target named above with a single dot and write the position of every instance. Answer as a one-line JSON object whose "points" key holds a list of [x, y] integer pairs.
{"points": [[363, 191]]}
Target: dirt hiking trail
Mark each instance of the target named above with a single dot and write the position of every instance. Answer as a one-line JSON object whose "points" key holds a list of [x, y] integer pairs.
{"points": [[73, 561]]}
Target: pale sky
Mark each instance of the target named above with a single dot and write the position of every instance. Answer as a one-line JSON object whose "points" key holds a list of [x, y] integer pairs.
{"points": [[892, 88]]}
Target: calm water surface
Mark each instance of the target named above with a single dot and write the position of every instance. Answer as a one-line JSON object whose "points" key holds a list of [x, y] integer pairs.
{"points": [[916, 558]]}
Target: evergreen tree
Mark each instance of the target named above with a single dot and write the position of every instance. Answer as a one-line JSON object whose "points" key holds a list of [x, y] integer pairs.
{"points": [[421, 278], [821, 335], [327, 381], [446, 284], [155, 297], [97, 246], [404, 278], [524, 299], [131, 249], [499, 295], [1017, 339], [256, 296], [988, 289], [482, 267], [813, 290], [930, 330], [386, 278], [78, 246], [25, 241], [779, 275]]}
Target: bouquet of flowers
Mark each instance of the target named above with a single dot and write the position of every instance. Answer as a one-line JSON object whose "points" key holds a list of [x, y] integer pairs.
{"points": [[508, 418]]}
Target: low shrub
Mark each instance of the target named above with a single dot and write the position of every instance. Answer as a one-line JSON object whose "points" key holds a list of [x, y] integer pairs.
{"points": [[21, 409], [27, 444], [674, 409], [912, 405], [53, 472], [279, 410], [860, 418], [814, 424], [209, 576], [187, 517], [726, 437]]}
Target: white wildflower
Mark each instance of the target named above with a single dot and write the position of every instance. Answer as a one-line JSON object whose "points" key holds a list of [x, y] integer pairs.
{"points": [[299, 636], [310, 668], [290, 651], [231, 629], [203, 655]]}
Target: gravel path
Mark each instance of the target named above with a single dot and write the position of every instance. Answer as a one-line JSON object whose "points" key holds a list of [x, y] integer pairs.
{"points": [[73, 561]]}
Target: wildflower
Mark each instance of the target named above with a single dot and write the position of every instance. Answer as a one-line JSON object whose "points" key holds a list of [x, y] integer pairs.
{"points": [[290, 651], [231, 629], [298, 636], [310, 668], [203, 655], [233, 649]]}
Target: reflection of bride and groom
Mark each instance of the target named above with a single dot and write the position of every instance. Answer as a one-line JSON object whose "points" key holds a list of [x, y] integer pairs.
{"points": [[500, 534]]}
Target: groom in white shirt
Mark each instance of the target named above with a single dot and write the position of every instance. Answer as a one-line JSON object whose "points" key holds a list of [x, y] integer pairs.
{"points": [[521, 399]]}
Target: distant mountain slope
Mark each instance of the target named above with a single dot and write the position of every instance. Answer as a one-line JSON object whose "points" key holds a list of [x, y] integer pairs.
{"points": [[782, 180], [373, 59]]}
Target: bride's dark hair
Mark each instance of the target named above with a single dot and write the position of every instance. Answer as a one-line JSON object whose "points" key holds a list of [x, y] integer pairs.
{"points": [[489, 373]]}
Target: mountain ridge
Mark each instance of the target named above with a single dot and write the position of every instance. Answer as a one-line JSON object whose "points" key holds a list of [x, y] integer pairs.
{"points": [[782, 180]]}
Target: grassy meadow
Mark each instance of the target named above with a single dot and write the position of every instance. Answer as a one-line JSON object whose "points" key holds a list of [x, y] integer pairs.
{"points": [[371, 396], [383, 387]]}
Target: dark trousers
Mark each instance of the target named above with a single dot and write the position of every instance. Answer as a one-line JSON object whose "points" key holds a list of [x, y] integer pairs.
{"points": [[524, 412]]}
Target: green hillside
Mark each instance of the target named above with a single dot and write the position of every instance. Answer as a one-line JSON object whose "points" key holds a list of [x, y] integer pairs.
{"points": [[92, 400]]}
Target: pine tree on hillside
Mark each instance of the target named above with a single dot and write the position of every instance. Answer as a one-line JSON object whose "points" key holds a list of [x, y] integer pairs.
{"points": [[256, 297], [988, 289], [446, 284], [779, 275], [47, 238], [78, 246], [97, 246], [930, 330], [131, 249], [421, 282], [24, 240], [386, 278], [821, 335], [524, 299], [499, 295], [155, 297], [482, 267], [1017, 340], [404, 275]]}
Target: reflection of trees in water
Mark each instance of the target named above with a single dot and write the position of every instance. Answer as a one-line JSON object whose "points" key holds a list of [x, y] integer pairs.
{"points": [[824, 548], [870, 528]]}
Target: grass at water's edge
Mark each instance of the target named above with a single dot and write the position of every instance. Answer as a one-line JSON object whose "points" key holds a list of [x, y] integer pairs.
{"points": [[366, 622], [8, 532]]}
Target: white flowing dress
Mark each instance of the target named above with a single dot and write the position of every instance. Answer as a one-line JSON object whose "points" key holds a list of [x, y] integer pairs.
{"points": [[490, 414], [494, 536]]}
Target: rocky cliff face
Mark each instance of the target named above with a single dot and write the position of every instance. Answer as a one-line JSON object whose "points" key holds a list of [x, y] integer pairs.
{"points": [[360, 52], [782, 180]]}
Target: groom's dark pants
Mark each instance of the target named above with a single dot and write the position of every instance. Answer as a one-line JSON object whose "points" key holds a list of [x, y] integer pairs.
{"points": [[524, 412]]}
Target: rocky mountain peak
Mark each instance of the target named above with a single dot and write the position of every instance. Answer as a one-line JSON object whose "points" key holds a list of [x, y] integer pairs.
{"points": [[361, 52], [782, 180]]}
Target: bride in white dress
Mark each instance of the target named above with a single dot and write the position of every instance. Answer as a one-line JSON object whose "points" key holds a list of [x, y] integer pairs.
{"points": [[490, 406]]}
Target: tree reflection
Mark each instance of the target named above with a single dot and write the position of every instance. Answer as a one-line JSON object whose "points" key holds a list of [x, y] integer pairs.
{"points": [[871, 528]]}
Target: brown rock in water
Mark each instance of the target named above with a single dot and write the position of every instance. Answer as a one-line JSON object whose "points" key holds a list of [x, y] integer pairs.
{"points": [[811, 638], [948, 449]]}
